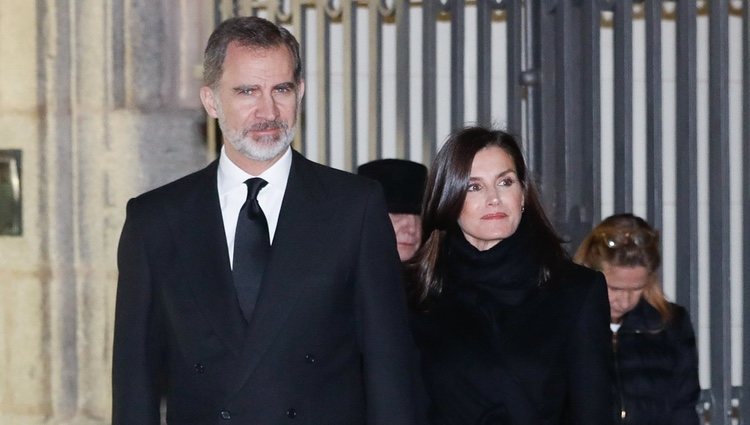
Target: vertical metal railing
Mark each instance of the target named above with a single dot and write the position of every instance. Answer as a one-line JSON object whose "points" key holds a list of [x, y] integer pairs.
{"points": [[623, 114], [350, 37], [719, 197], [430, 11], [375, 92], [654, 160], [686, 158], [591, 105], [458, 42], [484, 62], [745, 392]]}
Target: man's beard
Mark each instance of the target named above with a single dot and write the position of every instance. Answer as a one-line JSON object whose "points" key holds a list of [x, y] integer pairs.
{"points": [[264, 148]]}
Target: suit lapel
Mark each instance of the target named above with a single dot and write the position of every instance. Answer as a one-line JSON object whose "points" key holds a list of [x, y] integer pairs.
{"points": [[282, 283], [202, 244]]}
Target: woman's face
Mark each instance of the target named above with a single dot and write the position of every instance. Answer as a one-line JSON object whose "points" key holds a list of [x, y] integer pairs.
{"points": [[494, 199], [625, 285]]}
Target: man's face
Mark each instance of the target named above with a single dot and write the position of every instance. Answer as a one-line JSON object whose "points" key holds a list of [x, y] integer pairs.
{"points": [[255, 101]]}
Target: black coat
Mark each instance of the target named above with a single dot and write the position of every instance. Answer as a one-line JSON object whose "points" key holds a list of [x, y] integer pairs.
{"points": [[544, 361], [656, 368], [329, 341]]}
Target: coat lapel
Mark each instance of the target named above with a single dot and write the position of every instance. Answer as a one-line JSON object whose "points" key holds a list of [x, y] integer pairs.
{"points": [[203, 248]]}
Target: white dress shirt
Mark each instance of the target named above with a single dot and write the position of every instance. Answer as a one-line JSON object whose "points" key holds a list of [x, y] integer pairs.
{"points": [[233, 193]]}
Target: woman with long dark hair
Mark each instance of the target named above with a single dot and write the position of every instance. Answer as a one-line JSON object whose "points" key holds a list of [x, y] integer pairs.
{"points": [[510, 331], [655, 360]]}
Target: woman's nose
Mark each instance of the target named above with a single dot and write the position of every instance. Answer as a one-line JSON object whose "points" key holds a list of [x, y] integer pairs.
{"points": [[492, 197]]}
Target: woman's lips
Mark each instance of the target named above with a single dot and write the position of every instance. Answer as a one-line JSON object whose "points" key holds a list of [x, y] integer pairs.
{"points": [[494, 216]]}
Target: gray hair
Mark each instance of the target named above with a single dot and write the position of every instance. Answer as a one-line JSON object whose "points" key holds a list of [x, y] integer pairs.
{"points": [[247, 31]]}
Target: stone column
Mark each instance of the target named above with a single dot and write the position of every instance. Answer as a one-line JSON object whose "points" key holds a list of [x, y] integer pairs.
{"points": [[101, 96]]}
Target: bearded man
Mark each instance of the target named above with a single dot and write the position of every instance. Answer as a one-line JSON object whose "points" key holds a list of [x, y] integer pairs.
{"points": [[264, 287]]}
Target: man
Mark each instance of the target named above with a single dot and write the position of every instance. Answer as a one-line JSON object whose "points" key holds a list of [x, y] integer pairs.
{"points": [[323, 338], [403, 183]]}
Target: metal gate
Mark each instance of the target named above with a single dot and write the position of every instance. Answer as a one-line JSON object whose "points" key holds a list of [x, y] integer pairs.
{"points": [[622, 105]]}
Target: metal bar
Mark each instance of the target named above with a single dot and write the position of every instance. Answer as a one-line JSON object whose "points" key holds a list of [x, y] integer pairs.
{"points": [[515, 68], [403, 70], [591, 173], [623, 119], [349, 14], [719, 197], [570, 128], [457, 63], [484, 62], [686, 162], [546, 118], [323, 113], [429, 78], [532, 73], [745, 389], [653, 114], [299, 26], [375, 73]]}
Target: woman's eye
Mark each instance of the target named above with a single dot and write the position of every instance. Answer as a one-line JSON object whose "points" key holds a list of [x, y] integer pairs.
{"points": [[473, 187], [506, 182]]}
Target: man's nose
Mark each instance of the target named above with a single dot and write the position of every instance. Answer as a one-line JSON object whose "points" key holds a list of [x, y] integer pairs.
{"points": [[266, 108]]}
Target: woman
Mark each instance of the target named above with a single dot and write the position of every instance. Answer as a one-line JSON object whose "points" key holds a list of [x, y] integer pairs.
{"points": [[655, 360], [510, 331]]}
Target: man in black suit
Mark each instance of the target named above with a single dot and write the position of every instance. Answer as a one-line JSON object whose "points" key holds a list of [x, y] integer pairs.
{"points": [[322, 337]]}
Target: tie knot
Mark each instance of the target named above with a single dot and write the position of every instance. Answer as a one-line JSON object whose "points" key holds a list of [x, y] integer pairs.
{"points": [[254, 185]]}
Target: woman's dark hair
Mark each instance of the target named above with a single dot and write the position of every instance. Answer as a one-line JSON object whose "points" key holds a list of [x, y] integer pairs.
{"points": [[444, 199], [247, 31], [626, 240]]}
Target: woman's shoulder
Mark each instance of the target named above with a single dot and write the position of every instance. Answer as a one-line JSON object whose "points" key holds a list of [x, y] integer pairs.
{"points": [[680, 319], [573, 277]]}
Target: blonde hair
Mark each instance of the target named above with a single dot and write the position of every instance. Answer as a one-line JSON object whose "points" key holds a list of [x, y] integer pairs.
{"points": [[625, 240]]}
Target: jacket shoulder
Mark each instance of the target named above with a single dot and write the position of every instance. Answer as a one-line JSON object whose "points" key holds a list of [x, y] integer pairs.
{"points": [[344, 182], [580, 278], [181, 185]]}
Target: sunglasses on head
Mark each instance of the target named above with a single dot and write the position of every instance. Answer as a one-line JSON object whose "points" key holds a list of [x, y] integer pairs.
{"points": [[639, 238]]}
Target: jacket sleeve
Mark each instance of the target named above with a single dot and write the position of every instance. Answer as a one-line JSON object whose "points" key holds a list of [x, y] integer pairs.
{"points": [[388, 350], [686, 389], [136, 352], [589, 356]]}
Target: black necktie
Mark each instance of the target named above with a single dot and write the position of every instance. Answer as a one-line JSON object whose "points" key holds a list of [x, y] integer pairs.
{"points": [[251, 248]]}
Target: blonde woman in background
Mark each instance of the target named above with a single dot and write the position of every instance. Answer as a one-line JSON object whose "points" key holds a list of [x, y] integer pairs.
{"points": [[655, 362]]}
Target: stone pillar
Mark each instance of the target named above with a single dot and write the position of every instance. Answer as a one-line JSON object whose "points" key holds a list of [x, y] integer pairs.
{"points": [[101, 96]]}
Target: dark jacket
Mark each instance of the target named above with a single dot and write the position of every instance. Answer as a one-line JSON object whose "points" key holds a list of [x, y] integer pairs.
{"points": [[542, 359], [328, 343], [656, 368]]}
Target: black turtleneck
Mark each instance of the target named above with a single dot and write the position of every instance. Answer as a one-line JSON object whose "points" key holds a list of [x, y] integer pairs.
{"points": [[503, 274]]}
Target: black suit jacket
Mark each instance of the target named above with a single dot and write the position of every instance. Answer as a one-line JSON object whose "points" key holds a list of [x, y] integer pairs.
{"points": [[542, 362], [329, 340]]}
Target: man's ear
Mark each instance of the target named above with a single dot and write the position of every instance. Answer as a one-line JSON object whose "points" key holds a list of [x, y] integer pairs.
{"points": [[209, 101], [300, 90]]}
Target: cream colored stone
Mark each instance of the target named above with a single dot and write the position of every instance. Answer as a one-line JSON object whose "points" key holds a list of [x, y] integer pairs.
{"points": [[18, 49]]}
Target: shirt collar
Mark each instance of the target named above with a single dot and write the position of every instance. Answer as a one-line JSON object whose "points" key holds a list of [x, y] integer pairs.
{"points": [[230, 176]]}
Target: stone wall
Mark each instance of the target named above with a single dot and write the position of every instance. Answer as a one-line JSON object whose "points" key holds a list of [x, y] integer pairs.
{"points": [[101, 98]]}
